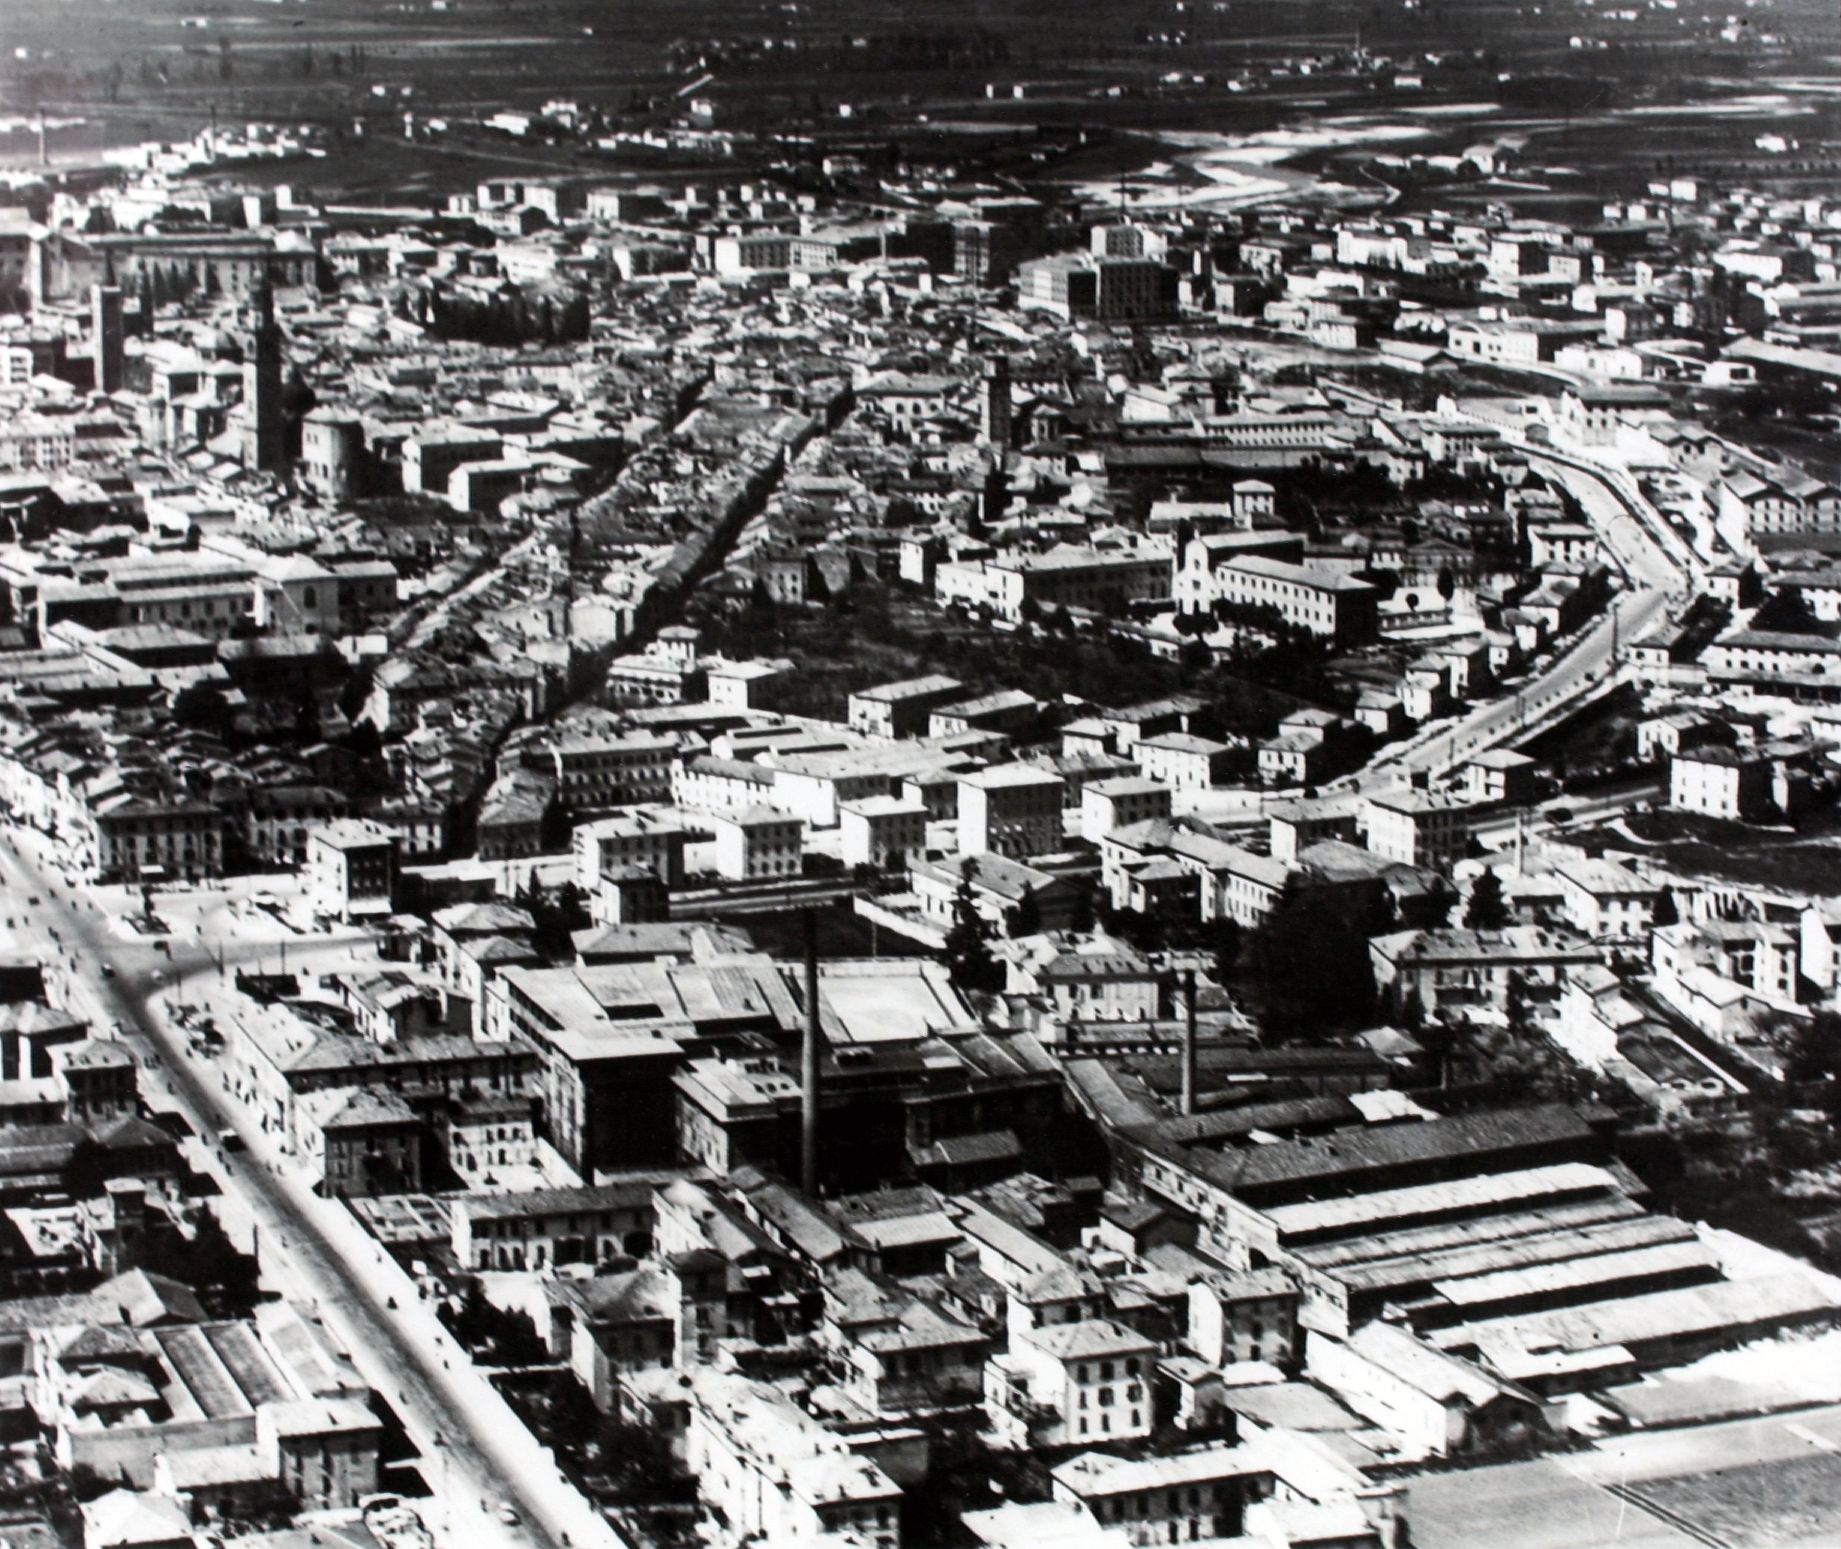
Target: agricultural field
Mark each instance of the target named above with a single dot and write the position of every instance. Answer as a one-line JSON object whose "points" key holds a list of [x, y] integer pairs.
{"points": [[1788, 1504]]}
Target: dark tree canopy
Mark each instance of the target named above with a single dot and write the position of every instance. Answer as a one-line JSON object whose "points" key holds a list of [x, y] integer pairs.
{"points": [[1488, 909], [1315, 965], [968, 943]]}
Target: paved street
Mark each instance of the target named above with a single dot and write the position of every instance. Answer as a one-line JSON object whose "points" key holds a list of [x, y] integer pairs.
{"points": [[1569, 679], [1658, 581], [311, 1248]]}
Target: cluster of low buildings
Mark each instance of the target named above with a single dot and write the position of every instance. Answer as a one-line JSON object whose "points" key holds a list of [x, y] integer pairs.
{"points": [[179, 1415], [426, 645]]}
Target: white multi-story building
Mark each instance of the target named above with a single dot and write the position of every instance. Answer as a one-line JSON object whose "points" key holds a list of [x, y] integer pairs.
{"points": [[1013, 810], [599, 771], [1106, 805], [1731, 783], [760, 842], [1068, 576], [777, 1475], [902, 709], [1338, 606], [720, 784], [351, 869], [1181, 761], [1418, 829], [885, 832], [628, 839], [1602, 899], [1071, 1383]]}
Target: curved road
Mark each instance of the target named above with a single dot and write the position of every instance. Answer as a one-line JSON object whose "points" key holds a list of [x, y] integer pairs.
{"points": [[1658, 580], [465, 1436]]}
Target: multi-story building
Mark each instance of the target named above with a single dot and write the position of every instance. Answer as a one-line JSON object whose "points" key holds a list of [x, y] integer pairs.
{"points": [[901, 709], [776, 1474], [1098, 580], [706, 784], [1450, 969], [1183, 762], [99, 1079], [1765, 657], [276, 1062], [488, 1134], [430, 459], [1090, 986], [536, 1230], [1011, 810], [351, 869], [971, 1115], [742, 685], [1419, 829], [1119, 802], [1007, 711], [1105, 289], [1294, 826], [280, 817], [597, 772], [1760, 955], [885, 832], [1501, 774], [153, 839], [1195, 588], [1070, 1384], [613, 1036], [1776, 498], [758, 842], [653, 679], [1196, 1495], [907, 399], [1601, 899], [361, 1143], [420, 825], [1338, 606], [1731, 783], [626, 840], [1249, 1317]]}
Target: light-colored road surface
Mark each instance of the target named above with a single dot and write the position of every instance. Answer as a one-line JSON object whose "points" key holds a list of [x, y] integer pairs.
{"points": [[480, 1455], [1659, 579], [1571, 809], [1646, 548], [1571, 678]]}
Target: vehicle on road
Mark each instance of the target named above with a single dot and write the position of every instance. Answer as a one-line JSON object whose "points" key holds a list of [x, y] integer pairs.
{"points": [[108, 970], [508, 1514], [229, 1139]]}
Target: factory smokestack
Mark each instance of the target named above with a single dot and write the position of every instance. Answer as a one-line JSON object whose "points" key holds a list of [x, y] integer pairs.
{"points": [[1189, 1042], [808, 1065]]}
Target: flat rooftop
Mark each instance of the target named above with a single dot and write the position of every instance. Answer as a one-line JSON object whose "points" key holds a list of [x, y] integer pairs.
{"points": [[1345, 1217]]}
